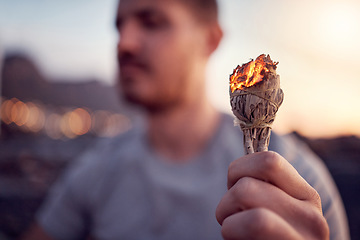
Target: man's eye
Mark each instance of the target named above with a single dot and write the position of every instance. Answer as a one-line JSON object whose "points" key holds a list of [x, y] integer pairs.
{"points": [[152, 20], [153, 23]]}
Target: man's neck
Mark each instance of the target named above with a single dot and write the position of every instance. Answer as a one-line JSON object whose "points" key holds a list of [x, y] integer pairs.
{"points": [[183, 132]]}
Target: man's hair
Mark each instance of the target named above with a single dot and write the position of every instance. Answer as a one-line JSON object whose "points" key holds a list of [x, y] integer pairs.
{"points": [[204, 10]]}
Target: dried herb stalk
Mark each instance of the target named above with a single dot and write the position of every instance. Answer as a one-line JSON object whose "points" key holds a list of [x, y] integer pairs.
{"points": [[255, 97]]}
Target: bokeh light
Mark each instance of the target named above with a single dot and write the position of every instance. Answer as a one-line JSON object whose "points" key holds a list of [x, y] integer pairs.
{"points": [[6, 107], [52, 126], [79, 121], [19, 113], [59, 123], [36, 119]]}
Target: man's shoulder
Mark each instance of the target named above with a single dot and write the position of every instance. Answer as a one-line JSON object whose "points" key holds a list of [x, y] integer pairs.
{"points": [[297, 153]]}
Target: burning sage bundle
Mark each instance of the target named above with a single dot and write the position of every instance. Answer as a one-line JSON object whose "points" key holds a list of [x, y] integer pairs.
{"points": [[255, 97]]}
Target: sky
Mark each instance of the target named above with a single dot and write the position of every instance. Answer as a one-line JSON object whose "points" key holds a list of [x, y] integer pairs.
{"points": [[316, 42]]}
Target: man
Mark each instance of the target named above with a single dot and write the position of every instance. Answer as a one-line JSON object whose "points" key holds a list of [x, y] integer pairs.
{"points": [[167, 179]]}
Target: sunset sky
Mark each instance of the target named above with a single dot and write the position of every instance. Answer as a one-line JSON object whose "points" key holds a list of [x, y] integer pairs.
{"points": [[317, 43]]}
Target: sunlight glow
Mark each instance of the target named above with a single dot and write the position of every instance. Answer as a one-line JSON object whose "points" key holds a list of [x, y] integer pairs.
{"points": [[339, 25]]}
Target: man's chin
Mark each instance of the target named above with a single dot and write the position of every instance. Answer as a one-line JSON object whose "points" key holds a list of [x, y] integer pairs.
{"points": [[128, 93], [150, 106], [133, 100]]}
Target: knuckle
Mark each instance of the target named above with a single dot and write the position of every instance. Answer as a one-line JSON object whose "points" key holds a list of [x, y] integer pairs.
{"points": [[232, 164], [244, 188], [315, 196], [315, 199], [231, 173], [259, 221], [226, 230], [323, 231], [315, 222], [254, 223], [272, 161], [319, 226], [218, 215]]}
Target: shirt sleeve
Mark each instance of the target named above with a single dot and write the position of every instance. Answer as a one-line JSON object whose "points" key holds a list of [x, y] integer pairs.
{"points": [[314, 171], [63, 215], [68, 210]]}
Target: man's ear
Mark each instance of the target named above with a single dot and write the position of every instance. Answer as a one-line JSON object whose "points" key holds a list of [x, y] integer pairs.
{"points": [[215, 34]]}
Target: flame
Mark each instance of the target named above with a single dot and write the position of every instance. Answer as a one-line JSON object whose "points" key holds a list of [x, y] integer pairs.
{"points": [[250, 73]]}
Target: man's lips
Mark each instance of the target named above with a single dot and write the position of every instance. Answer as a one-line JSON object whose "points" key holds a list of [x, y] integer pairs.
{"points": [[132, 67]]}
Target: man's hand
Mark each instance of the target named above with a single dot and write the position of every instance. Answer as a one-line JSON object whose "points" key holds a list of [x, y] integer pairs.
{"points": [[268, 199]]}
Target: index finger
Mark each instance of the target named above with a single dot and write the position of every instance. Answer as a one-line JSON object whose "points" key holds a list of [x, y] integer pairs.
{"points": [[272, 168]]}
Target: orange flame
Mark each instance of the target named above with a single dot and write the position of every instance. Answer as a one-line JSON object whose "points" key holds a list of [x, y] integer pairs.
{"points": [[250, 73]]}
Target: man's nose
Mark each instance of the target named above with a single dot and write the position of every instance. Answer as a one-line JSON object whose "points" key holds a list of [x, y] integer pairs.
{"points": [[129, 39]]}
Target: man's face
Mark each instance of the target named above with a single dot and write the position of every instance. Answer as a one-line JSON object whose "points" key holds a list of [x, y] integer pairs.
{"points": [[160, 51]]}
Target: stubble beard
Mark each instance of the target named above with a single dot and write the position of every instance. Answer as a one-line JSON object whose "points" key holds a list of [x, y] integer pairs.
{"points": [[154, 105]]}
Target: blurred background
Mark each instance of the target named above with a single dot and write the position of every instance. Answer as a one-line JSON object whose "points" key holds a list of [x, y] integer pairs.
{"points": [[58, 66]]}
